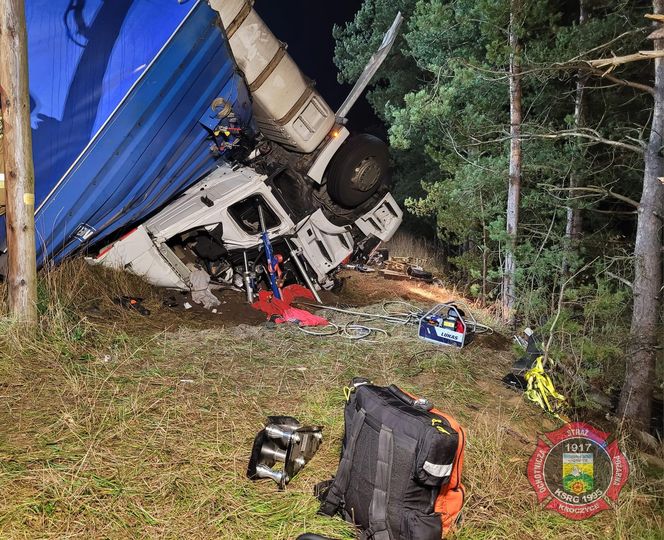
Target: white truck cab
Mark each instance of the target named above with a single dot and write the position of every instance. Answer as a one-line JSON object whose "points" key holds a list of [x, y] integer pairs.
{"points": [[323, 192]]}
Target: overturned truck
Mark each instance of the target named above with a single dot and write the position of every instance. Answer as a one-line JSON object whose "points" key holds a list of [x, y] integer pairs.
{"points": [[162, 131]]}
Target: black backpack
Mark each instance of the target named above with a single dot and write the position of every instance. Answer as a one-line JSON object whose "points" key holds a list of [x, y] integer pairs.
{"points": [[399, 477]]}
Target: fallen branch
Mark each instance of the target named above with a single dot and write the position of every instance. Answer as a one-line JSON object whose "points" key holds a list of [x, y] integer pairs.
{"points": [[589, 134], [622, 82], [518, 436], [655, 17], [591, 393], [601, 191], [615, 61], [619, 278]]}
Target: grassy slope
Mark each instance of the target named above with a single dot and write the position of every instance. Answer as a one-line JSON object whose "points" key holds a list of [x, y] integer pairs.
{"points": [[113, 427]]}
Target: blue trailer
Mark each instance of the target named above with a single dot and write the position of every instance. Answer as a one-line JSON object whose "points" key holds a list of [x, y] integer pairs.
{"points": [[121, 95]]}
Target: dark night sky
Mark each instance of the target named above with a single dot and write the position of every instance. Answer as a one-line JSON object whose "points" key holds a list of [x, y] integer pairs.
{"points": [[306, 26]]}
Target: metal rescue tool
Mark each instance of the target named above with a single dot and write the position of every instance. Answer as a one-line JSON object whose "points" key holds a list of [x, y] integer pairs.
{"points": [[447, 324], [248, 279], [285, 441], [273, 260]]}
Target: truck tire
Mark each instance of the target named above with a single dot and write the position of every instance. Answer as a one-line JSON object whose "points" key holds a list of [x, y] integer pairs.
{"points": [[358, 169]]}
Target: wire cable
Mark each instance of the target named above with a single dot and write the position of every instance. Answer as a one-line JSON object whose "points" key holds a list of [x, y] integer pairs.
{"points": [[407, 314], [308, 330], [397, 319], [352, 331]]}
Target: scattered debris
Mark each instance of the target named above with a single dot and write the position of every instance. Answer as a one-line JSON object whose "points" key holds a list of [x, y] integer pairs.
{"points": [[132, 302], [390, 274], [419, 273], [170, 302], [396, 268], [359, 268], [401, 264]]}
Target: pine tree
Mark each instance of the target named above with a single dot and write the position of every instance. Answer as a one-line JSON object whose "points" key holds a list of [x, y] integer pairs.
{"points": [[448, 96]]}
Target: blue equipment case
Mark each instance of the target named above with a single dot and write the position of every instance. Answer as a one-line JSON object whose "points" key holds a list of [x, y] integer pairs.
{"points": [[445, 324]]}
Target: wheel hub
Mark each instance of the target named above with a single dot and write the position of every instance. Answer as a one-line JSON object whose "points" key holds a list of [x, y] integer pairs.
{"points": [[366, 174]]}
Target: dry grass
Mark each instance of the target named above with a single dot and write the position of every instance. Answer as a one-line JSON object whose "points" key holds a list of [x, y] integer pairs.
{"points": [[115, 428], [405, 244]]}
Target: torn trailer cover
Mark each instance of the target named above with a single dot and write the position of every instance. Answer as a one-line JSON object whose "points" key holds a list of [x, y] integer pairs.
{"points": [[120, 98], [144, 136]]}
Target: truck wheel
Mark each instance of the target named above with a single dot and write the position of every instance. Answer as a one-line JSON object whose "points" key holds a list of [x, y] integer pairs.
{"points": [[358, 169]]}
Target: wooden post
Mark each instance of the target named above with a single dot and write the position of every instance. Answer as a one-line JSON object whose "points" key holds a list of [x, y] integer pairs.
{"points": [[19, 169]]}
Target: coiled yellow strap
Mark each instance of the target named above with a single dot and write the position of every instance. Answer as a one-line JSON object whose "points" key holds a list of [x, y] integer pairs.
{"points": [[540, 389]]}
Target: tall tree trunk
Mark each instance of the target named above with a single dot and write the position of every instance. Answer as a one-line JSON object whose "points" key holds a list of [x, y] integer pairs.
{"points": [[636, 396], [485, 251], [574, 223], [514, 190], [19, 170]]}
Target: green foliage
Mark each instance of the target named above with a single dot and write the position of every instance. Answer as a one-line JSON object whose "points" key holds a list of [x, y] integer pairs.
{"points": [[443, 95]]}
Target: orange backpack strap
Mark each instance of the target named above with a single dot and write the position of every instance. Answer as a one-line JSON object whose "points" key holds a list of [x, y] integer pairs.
{"points": [[451, 498]]}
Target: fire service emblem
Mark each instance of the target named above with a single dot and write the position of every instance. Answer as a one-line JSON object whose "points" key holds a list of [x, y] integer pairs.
{"points": [[576, 471]]}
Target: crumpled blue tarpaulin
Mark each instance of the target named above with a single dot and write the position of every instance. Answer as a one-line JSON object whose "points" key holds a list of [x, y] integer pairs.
{"points": [[120, 111]]}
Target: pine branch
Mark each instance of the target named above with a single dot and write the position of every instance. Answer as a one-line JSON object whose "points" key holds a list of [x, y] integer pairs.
{"points": [[605, 45], [622, 82], [619, 278], [589, 134], [561, 296], [598, 190]]}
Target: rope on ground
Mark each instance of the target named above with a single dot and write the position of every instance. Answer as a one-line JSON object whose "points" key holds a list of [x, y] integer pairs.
{"points": [[364, 314], [350, 330], [412, 312], [331, 330]]}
